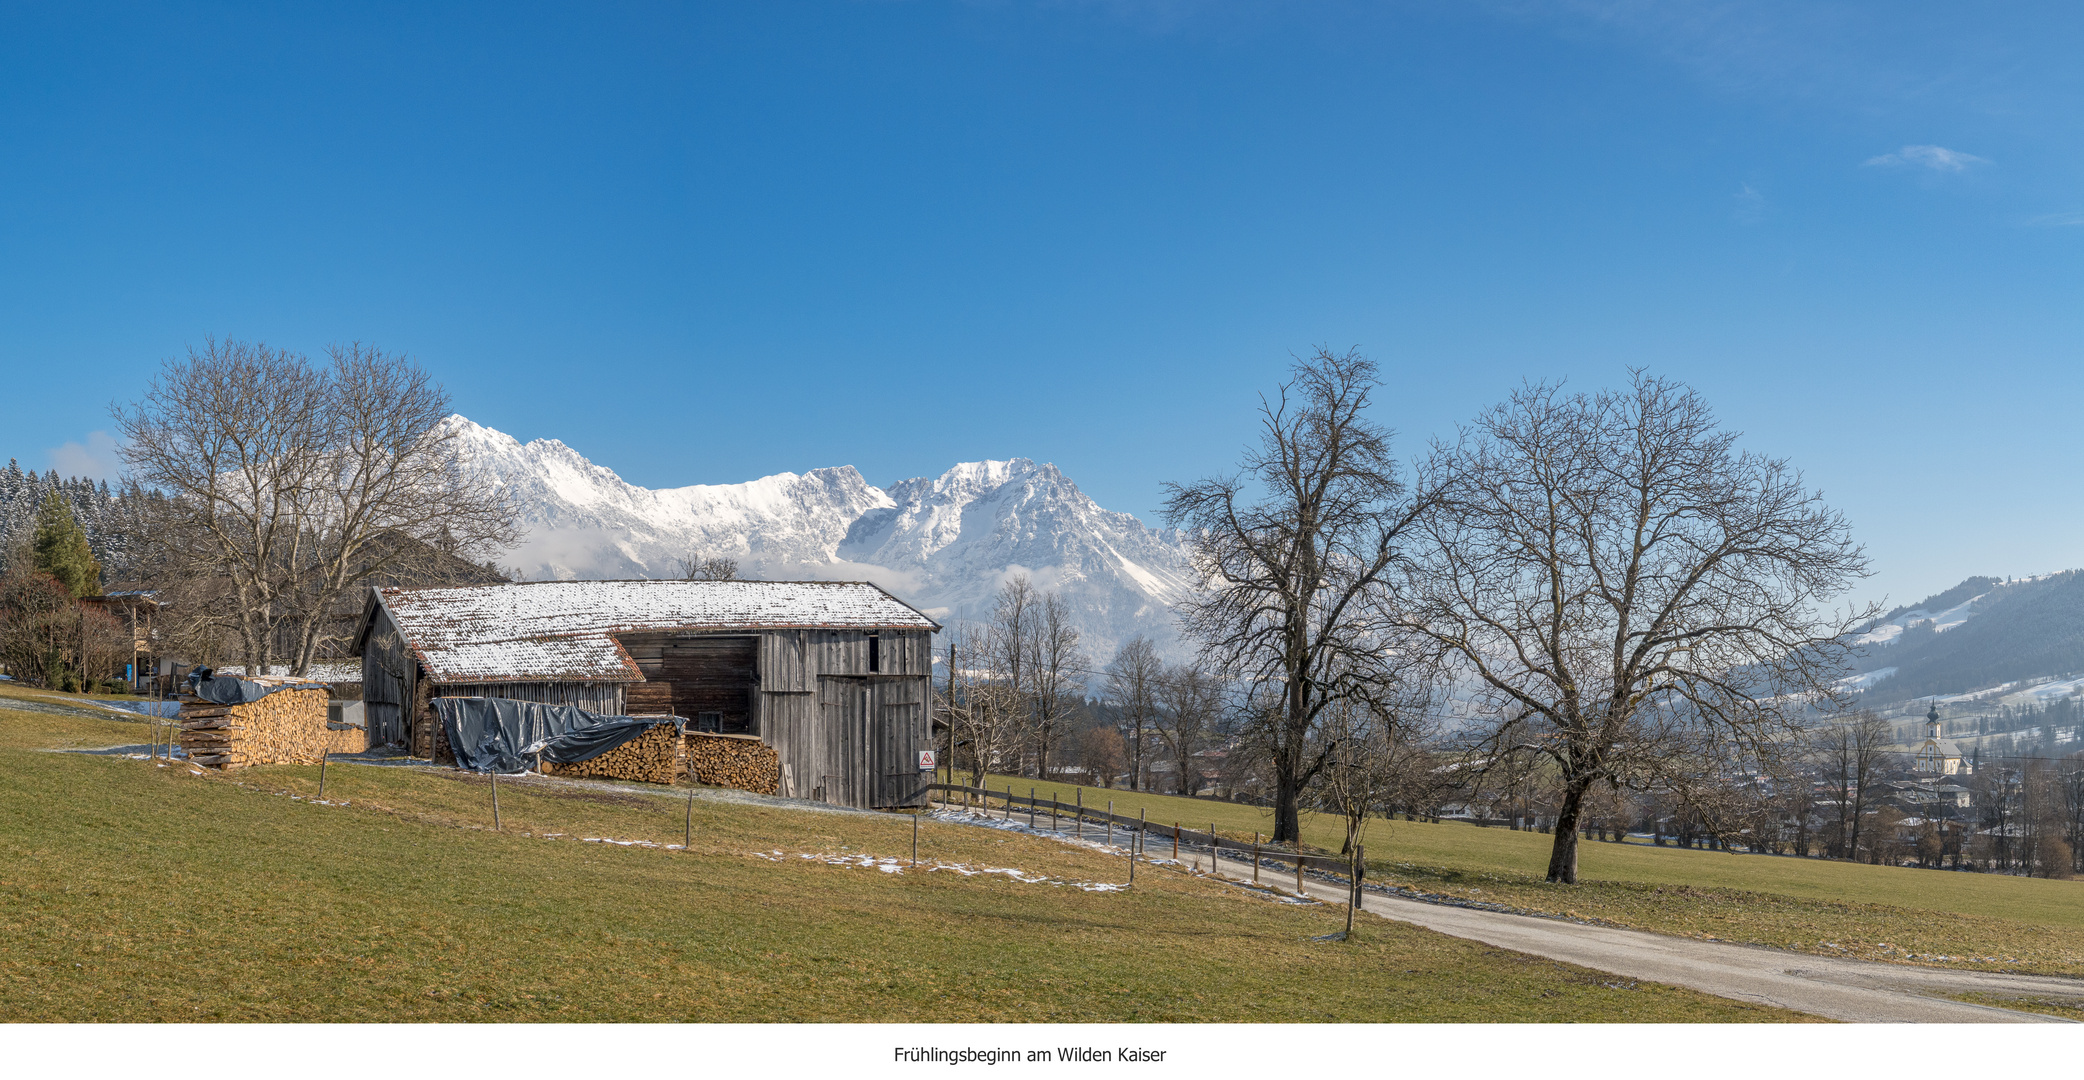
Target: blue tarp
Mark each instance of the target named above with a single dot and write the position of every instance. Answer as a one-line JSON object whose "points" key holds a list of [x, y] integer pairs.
{"points": [[504, 735]]}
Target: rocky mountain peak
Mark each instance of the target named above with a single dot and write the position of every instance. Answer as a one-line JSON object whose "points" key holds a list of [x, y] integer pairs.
{"points": [[944, 543]]}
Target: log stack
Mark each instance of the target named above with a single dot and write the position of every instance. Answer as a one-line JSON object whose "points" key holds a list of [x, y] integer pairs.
{"points": [[655, 757], [286, 727], [733, 761]]}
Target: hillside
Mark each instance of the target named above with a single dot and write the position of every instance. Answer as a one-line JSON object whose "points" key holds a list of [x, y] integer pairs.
{"points": [[1979, 634]]}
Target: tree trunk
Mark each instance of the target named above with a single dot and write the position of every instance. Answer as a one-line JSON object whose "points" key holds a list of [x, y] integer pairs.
{"points": [[1287, 795], [1563, 855]]}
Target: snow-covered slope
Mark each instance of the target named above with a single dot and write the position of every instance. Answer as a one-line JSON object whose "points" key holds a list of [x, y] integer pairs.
{"points": [[943, 544], [958, 536], [1982, 634], [1954, 609]]}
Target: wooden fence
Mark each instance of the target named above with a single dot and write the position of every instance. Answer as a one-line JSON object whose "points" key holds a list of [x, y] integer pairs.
{"points": [[1035, 806]]}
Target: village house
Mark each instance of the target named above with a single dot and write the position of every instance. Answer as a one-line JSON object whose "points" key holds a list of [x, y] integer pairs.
{"points": [[834, 676]]}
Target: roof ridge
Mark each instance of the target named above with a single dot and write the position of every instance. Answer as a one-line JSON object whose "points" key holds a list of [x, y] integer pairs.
{"points": [[634, 581]]}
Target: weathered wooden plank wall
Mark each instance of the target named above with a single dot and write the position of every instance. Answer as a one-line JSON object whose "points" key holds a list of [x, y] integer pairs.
{"points": [[385, 669], [688, 676], [785, 663]]}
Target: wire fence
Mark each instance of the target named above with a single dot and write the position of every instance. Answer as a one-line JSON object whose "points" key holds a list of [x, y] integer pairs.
{"points": [[1189, 846]]}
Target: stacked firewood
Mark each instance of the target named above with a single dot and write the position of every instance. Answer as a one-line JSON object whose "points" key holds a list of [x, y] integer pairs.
{"points": [[284, 727], [655, 757], [733, 761]]}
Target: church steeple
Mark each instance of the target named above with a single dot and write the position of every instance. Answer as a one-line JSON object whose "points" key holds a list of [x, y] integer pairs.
{"points": [[1932, 723]]}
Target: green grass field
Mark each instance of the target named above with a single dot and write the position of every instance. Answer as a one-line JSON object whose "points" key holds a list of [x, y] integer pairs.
{"points": [[1983, 921], [133, 891]]}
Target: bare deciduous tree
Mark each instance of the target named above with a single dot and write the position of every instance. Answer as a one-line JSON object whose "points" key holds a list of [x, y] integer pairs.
{"points": [[1103, 753], [1379, 755], [229, 434], [287, 486], [1132, 684], [391, 492], [698, 567], [1190, 703], [1008, 651], [1294, 557], [1852, 753], [1054, 662], [1628, 589]]}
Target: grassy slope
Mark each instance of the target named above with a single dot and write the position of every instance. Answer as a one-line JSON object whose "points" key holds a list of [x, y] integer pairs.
{"points": [[130, 891], [1815, 905]]}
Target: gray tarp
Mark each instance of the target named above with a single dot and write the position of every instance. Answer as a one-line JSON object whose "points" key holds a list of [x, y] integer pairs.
{"points": [[232, 690], [503, 735]]}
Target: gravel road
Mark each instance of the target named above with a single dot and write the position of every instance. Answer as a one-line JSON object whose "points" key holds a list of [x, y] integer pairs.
{"points": [[1860, 991]]}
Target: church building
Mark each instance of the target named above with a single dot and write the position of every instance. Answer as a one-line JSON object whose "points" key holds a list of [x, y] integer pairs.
{"points": [[1937, 756]]}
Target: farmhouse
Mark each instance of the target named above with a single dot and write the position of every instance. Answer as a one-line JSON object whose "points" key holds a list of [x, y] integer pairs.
{"points": [[834, 676]]}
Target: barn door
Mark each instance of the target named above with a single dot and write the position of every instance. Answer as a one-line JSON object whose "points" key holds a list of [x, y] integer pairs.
{"points": [[899, 734], [843, 714], [383, 697]]}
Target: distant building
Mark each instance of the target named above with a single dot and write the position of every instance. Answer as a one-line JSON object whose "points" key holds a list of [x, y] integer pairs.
{"points": [[1937, 756]]}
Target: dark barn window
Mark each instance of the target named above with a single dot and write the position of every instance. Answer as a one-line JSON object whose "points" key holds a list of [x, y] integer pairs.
{"points": [[875, 653]]}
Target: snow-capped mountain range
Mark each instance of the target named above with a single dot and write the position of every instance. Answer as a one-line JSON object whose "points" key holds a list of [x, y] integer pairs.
{"points": [[943, 544]]}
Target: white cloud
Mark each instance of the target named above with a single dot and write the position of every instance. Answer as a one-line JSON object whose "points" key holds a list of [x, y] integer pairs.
{"points": [[1936, 158], [96, 459], [2057, 221]]}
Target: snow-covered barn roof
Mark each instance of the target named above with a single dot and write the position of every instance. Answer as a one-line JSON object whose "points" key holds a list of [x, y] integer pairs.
{"points": [[561, 631]]}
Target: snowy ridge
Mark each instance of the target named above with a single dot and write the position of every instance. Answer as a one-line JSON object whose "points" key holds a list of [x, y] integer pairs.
{"points": [[1980, 641], [1887, 631], [943, 544]]}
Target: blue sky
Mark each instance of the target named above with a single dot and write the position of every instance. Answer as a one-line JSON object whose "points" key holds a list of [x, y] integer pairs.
{"points": [[707, 243]]}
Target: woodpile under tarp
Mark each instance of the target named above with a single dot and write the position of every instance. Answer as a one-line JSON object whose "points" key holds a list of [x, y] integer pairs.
{"points": [[733, 761], [655, 757], [284, 727]]}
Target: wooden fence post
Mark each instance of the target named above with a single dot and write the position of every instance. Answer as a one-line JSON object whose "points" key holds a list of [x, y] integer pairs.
{"points": [[688, 840], [323, 757], [1110, 823], [1213, 844], [1353, 887], [915, 840], [1031, 808], [1079, 830], [1298, 870], [1135, 842], [1175, 841], [495, 802], [1255, 856]]}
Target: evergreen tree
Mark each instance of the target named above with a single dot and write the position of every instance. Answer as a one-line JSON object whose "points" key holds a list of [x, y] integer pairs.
{"points": [[61, 547]]}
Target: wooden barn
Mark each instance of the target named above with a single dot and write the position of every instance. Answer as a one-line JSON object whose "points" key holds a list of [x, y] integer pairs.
{"points": [[834, 676]]}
